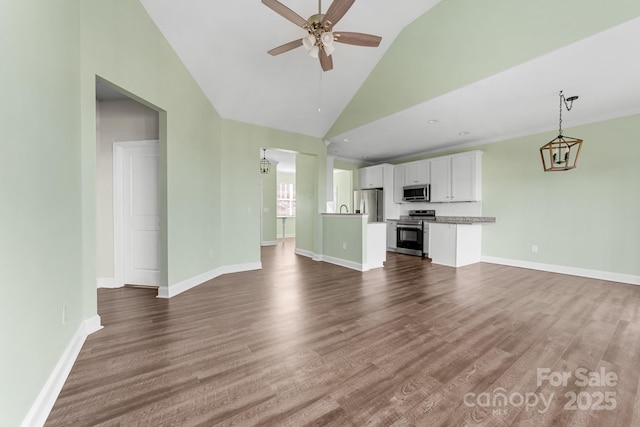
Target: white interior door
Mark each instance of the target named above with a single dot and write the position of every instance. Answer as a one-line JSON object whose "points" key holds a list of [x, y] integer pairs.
{"points": [[140, 212]]}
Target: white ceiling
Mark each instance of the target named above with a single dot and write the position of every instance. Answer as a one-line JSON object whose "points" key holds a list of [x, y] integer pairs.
{"points": [[224, 43]]}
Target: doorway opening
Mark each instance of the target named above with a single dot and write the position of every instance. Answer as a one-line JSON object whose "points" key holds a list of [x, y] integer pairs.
{"points": [[130, 176], [278, 213]]}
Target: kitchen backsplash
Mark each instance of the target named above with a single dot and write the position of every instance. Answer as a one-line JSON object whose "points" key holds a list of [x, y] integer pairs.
{"points": [[445, 209]]}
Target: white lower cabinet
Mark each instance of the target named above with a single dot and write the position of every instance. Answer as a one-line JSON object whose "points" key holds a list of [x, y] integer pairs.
{"points": [[392, 226], [455, 245], [425, 239]]}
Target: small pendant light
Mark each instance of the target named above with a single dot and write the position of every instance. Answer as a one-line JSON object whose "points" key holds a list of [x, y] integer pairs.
{"points": [[561, 153], [265, 165]]}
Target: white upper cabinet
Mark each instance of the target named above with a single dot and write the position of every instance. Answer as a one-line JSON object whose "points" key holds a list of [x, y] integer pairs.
{"points": [[398, 183], [371, 177], [416, 173], [465, 178], [457, 178], [441, 179]]}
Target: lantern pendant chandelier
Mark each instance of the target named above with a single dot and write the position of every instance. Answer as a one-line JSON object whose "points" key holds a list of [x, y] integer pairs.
{"points": [[265, 165], [561, 153]]}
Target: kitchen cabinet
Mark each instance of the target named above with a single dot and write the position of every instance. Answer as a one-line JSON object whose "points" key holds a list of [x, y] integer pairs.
{"points": [[380, 176], [456, 178], [416, 173], [398, 183], [455, 245], [392, 226], [371, 177], [425, 239], [441, 179]]}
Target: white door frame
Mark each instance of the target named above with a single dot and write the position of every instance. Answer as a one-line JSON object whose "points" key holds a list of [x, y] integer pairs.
{"points": [[118, 204]]}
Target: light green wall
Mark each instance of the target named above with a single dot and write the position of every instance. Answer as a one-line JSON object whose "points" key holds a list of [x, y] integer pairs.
{"points": [[350, 166], [290, 223], [269, 195], [307, 203], [121, 44], [53, 53], [349, 230], [40, 187], [584, 218], [241, 144], [459, 42]]}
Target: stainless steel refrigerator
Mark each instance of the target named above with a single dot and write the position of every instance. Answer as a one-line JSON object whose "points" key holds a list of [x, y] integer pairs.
{"points": [[369, 202]]}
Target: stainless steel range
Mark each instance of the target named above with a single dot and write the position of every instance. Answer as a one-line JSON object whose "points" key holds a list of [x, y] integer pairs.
{"points": [[413, 232]]}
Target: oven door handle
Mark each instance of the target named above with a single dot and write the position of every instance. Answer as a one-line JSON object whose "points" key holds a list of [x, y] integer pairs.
{"points": [[412, 227]]}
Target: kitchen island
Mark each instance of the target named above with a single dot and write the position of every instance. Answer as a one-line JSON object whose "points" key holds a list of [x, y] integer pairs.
{"points": [[456, 241], [350, 241]]}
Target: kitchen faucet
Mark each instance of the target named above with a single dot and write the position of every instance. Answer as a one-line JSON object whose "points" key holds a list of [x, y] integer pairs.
{"points": [[345, 206]]}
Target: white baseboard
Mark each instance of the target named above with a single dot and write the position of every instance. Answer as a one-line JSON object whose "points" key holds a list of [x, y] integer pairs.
{"points": [[107, 282], [43, 404], [304, 252], [572, 271], [345, 263], [191, 283], [269, 243]]}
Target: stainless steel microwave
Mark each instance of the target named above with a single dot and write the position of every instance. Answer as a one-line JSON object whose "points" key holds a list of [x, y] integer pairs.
{"points": [[416, 193]]}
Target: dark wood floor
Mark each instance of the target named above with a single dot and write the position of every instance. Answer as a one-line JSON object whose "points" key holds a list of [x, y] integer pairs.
{"points": [[309, 343]]}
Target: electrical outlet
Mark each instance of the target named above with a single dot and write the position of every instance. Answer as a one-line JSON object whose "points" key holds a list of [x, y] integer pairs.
{"points": [[64, 314], [344, 245], [534, 249]]}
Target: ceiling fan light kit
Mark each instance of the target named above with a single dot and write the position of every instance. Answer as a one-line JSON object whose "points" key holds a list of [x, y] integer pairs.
{"points": [[309, 41], [320, 41], [327, 39]]}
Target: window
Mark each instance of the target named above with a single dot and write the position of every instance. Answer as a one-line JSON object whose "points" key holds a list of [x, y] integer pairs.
{"points": [[286, 199]]}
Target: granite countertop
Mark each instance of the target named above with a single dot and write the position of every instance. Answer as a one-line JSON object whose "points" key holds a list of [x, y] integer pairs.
{"points": [[464, 219], [342, 214]]}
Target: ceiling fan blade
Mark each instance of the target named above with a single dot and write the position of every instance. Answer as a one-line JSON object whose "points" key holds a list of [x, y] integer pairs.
{"points": [[285, 47], [358, 39], [326, 62], [336, 11], [285, 12]]}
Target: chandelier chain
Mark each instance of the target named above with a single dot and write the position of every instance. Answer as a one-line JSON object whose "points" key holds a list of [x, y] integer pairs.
{"points": [[568, 106], [560, 124]]}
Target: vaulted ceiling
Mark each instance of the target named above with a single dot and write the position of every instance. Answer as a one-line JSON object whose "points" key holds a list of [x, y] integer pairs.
{"points": [[447, 73]]}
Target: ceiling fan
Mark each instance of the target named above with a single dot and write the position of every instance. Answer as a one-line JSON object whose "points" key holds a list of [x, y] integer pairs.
{"points": [[320, 40]]}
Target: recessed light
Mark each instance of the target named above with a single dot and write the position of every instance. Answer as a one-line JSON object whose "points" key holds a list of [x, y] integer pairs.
{"points": [[463, 133], [432, 122], [346, 140]]}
